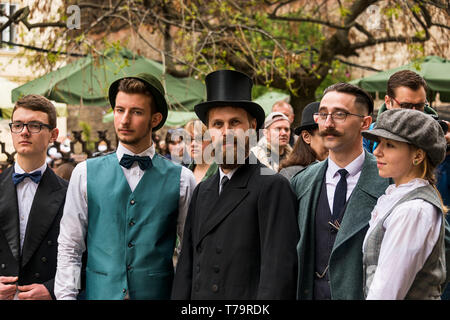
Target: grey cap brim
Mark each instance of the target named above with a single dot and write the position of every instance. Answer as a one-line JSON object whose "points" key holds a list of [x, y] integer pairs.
{"points": [[376, 134]]}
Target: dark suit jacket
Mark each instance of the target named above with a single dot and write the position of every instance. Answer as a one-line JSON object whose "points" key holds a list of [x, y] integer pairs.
{"points": [[241, 244], [37, 264]]}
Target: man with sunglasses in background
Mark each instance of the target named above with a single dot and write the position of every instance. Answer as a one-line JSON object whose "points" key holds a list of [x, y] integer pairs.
{"points": [[335, 198], [407, 90], [31, 205]]}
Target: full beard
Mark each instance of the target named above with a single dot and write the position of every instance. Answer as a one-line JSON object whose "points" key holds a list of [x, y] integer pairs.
{"points": [[231, 156]]}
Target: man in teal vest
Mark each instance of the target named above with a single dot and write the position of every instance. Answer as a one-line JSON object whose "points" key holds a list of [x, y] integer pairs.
{"points": [[125, 208]]}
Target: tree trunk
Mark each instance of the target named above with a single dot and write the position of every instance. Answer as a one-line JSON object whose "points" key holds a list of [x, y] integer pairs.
{"points": [[299, 102]]}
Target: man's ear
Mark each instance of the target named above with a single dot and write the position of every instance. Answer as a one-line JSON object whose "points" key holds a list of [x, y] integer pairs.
{"points": [[156, 119], [367, 121], [387, 102], [253, 123], [54, 135]]}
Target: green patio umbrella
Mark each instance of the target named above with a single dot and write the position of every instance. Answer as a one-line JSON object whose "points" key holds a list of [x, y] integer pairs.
{"points": [[86, 81], [435, 70]]}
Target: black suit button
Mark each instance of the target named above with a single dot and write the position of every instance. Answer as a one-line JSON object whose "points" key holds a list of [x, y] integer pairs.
{"points": [[216, 269], [44, 259], [3, 266], [215, 288], [37, 275], [49, 242], [218, 250]]}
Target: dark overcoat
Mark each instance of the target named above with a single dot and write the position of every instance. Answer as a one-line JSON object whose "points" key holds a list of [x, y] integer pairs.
{"points": [[241, 244], [37, 263]]}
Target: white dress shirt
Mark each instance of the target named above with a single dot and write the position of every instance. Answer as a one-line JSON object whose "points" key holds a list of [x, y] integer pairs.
{"points": [[332, 177], [411, 232], [26, 190], [222, 174], [73, 227]]}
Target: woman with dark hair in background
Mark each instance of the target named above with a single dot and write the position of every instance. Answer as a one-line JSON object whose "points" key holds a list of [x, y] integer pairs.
{"points": [[309, 147]]}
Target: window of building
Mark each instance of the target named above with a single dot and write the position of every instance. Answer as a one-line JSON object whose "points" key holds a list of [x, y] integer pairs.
{"points": [[9, 34]]}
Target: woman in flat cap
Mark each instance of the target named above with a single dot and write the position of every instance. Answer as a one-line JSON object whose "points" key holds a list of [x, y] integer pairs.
{"points": [[403, 250]]}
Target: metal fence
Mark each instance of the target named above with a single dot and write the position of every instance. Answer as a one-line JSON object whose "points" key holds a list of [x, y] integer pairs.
{"points": [[68, 155]]}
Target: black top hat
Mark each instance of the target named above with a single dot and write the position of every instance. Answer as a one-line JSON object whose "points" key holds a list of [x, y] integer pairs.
{"points": [[229, 88], [308, 118], [153, 85]]}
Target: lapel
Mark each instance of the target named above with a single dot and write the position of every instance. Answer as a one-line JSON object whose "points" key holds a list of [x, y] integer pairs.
{"points": [[310, 193], [46, 203], [364, 197], [215, 208], [9, 212]]}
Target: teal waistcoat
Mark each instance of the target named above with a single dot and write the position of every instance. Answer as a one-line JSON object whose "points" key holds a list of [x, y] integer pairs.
{"points": [[131, 235]]}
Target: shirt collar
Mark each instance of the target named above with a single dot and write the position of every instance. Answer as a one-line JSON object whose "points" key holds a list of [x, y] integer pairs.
{"points": [[121, 150], [352, 168], [229, 174], [18, 169]]}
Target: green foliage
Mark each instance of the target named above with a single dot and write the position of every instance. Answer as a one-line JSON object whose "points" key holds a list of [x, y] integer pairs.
{"points": [[86, 134]]}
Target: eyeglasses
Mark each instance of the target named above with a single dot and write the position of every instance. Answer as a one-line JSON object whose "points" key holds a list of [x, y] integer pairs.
{"points": [[33, 127], [407, 105], [337, 116]]}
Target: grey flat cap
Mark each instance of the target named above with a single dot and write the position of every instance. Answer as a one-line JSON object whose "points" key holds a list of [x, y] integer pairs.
{"points": [[413, 127]]}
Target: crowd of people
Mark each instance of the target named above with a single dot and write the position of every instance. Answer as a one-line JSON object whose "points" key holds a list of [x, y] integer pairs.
{"points": [[340, 207]]}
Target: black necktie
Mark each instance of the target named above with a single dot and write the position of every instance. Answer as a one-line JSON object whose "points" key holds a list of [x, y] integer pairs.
{"points": [[144, 162], [223, 182], [18, 177], [340, 193]]}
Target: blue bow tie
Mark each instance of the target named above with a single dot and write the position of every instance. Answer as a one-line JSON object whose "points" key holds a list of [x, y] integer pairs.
{"points": [[18, 177], [144, 162]]}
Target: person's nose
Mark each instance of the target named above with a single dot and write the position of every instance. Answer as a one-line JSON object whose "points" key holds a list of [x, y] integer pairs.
{"points": [[126, 117], [329, 122], [25, 131], [378, 152]]}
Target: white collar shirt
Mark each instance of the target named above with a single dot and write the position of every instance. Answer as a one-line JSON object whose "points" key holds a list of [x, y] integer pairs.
{"points": [[135, 173], [222, 174], [26, 190], [332, 177]]}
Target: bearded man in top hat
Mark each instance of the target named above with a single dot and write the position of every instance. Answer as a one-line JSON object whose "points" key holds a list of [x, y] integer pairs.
{"points": [[125, 207], [240, 234]]}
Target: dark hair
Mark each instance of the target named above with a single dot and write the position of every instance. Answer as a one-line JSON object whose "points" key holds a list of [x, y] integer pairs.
{"points": [[405, 78], [362, 96], [36, 102], [172, 134], [302, 154], [132, 85]]}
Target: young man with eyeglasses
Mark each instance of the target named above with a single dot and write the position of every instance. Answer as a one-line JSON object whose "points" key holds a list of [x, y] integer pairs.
{"points": [[405, 89], [31, 205], [335, 198]]}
